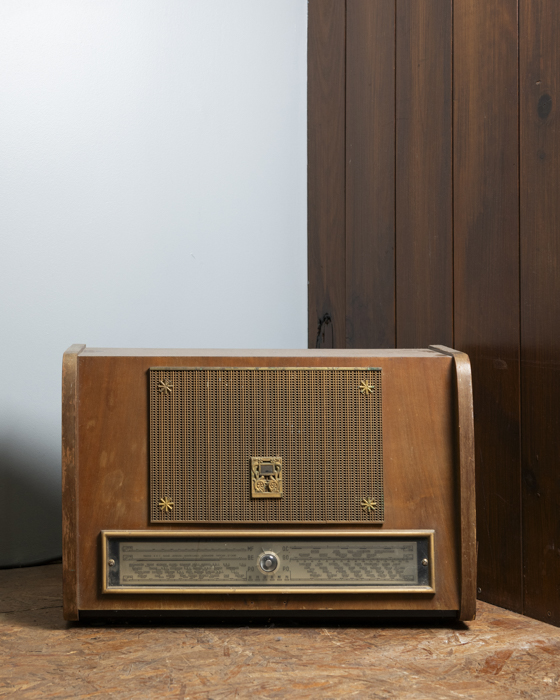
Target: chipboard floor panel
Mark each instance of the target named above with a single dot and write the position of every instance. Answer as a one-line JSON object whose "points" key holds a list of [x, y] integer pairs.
{"points": [[500, 655]]}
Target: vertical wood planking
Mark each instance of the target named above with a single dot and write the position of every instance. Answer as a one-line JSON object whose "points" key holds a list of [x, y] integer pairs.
{"points": [[370, 174], [326, 168], [424, 216], [486, 275], [540, 304]]}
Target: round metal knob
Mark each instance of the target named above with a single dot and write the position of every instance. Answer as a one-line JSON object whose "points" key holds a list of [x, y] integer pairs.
{"points": [[268, 562]]}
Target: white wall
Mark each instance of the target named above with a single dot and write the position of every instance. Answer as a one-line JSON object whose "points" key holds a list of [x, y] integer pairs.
{"points": [[152, 194]]}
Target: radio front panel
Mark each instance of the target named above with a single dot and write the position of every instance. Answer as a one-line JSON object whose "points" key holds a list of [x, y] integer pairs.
{"points": [[267, 481]]}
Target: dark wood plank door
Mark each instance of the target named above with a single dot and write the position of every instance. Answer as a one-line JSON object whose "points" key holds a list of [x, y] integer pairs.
{"points": [[326, 100], [540, 305], [423, 156], [370, 191], [486, 287]]}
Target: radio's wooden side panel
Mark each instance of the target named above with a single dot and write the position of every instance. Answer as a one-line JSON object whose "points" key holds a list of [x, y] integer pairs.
{"points": [[421, 467], [70, 480], [466, 466]]}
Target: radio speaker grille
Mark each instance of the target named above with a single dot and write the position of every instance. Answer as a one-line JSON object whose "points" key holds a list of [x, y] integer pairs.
{"points": [[207, 424]]}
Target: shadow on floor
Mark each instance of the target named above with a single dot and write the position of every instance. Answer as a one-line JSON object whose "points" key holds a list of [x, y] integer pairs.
{"points": [[31, 514]]}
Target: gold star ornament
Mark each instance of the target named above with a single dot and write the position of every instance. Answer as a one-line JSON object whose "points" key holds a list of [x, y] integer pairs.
{"points": [[368, 505], [366, 388], [165, 505], [164, 386]]}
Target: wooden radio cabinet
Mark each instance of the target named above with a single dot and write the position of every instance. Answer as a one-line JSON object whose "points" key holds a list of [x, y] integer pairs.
{"points": [[294, 482]]}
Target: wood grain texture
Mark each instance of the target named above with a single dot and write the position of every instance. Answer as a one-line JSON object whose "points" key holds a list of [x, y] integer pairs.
{"points": [[500, 655], [370, 174], [540, 304], [326, 168], [467, 497], [486, 274], [69, 479], [424, 215], [421, 473]]}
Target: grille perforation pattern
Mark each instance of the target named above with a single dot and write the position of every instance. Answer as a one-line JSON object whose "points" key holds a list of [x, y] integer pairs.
{"points": [[208, 423]]}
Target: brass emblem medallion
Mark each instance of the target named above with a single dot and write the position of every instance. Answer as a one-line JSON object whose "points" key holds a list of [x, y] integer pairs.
{"points": [[266, 477]]}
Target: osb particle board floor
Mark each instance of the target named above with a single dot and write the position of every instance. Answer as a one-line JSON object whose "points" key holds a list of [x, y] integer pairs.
{"points": [[500, 655]]}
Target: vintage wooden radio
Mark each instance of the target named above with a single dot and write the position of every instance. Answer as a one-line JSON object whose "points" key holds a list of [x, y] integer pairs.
{"points": [[268, 482]]}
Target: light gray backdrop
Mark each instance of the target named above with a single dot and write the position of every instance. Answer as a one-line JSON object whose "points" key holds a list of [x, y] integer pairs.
{"points": [[152, 194]]}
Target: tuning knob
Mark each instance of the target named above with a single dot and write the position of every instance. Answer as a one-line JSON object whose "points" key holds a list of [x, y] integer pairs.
{"points": [[268, 562]]}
